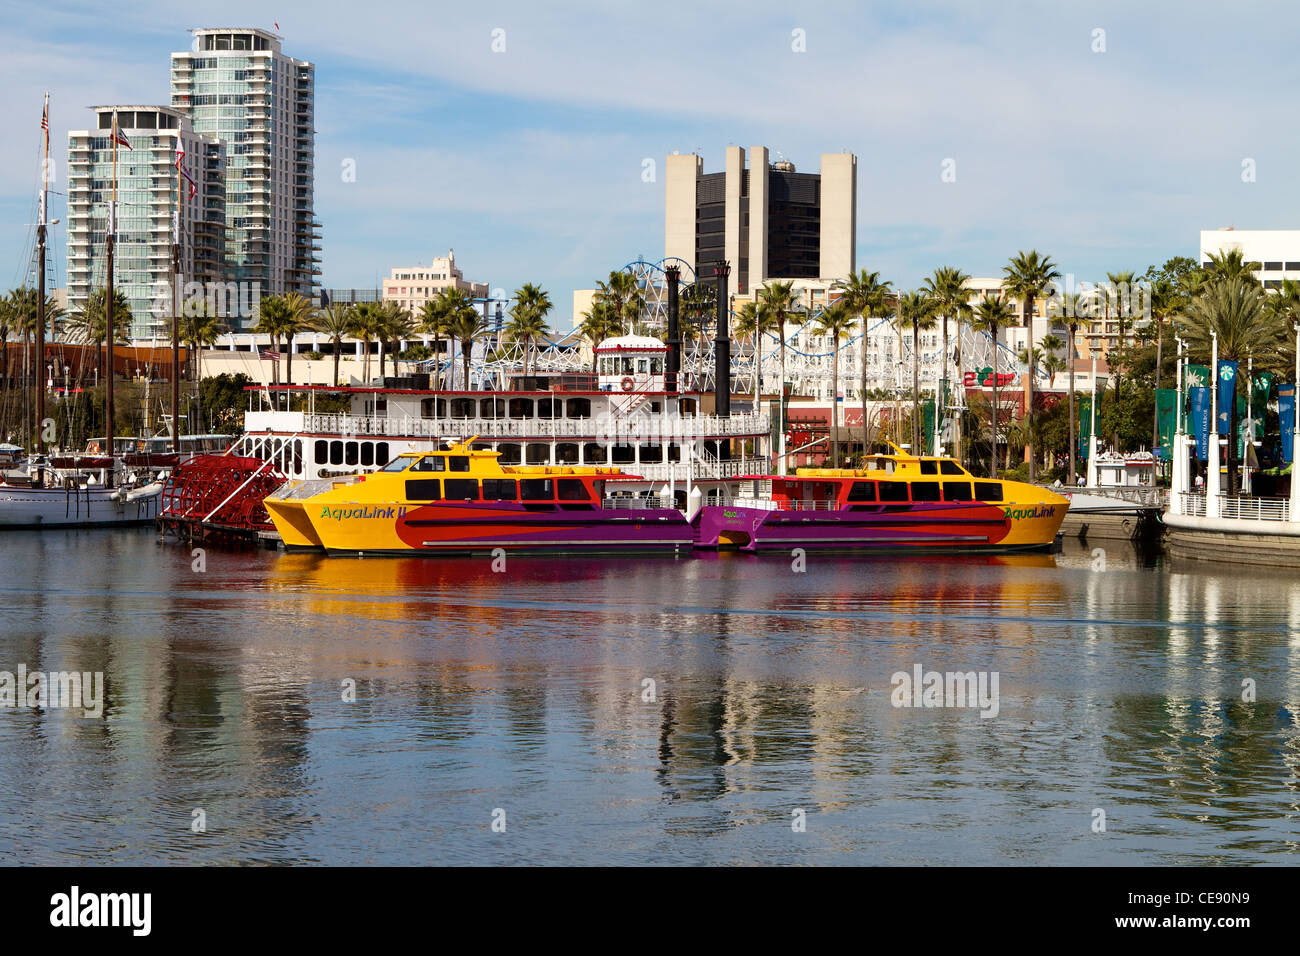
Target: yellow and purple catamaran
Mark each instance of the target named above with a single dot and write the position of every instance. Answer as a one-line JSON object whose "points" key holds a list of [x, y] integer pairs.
{"points": [[897, 503]]}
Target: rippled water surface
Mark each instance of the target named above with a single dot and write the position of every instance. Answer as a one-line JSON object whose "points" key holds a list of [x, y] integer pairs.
{"points": [[528, 692]]}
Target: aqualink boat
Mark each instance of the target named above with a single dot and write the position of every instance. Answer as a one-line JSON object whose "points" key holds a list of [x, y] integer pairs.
{"points": [[461, 499], [897, 503]]}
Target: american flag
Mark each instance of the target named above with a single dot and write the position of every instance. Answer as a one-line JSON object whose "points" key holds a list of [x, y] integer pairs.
{"points": [[180, 152], [118, 135], [189, 179], [45, 118], [268, 356]]}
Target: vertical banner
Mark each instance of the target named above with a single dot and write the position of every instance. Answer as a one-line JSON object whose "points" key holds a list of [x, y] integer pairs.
{"points": [[1200, 415], [1197, 376], [1286, 418], [1166, 406], [1085, 425], [1223, 407]]}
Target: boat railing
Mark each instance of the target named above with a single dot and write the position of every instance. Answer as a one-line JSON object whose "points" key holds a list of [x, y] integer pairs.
{"points": [[725, 469], [636, 503], [601, 427], [770, 504], [1244, 507]]}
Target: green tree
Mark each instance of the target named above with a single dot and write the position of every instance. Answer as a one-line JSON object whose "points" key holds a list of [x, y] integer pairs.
{"points": [[835, 321], [367, 326], [598, 323], [89, 324], [395, 324], [623, 292], [947, 290], [433, 321], [779, 299], [273, 321], [528, 317], [1028, 276], [917, 310], [868, 298], [990, 315], [466, 325], [753, 321], [335, 323]]}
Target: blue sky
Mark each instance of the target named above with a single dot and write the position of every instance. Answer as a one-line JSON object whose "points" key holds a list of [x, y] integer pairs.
{"points": [[528, 162]]}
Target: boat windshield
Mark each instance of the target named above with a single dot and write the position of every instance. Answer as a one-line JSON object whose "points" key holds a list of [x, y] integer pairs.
{"points": [[397, 464]]}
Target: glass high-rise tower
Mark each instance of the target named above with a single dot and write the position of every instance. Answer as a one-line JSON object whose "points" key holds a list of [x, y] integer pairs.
{"points": [[236, 84]]}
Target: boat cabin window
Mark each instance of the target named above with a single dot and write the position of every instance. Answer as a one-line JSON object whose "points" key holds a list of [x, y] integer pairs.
{"points": [[623, 454], [423, 489], [550, 408], [566, 453], [463, 407], [573, 489], [925, 491], [458, 463], [457, 489], [397, 464], [593, 454], [988, 491], [957, 491], [510, 454], [537, 489], [652, 453], [322, 451], [929, 466], [521, 408], [430, 463], [578, 408], [500, 489], [863, 491], [881, 464], [492, 408], [951, 468], [892, 490]]}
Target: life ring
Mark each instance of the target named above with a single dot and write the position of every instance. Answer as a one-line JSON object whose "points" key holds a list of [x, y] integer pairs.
{"points": [[627, 383]]}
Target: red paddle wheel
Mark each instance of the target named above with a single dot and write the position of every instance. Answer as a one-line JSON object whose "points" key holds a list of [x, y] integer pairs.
{"points": [[218, 495]]}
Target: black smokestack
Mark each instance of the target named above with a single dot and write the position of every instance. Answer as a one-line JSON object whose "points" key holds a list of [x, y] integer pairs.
{"points": [[673, 363], [722, 346]]}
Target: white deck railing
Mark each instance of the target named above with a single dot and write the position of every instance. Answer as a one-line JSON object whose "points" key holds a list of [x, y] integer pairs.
{"points": [[1243, 507], [635, 428]]}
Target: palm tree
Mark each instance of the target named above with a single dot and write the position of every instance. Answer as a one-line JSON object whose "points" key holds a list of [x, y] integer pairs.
{"points": [[271, 321], [1028, 276], [23, 306], [989, 316], [335, 322], [752, 321], [89, 325], [367, 325], [1165, 302], [780, 301], [598, 323], [1230, 264], [836, 321], [947, 290], [299, 314], [1121, 287], [867, 297], [198, 329], [528, 317], [395, 324], [1074, 306], [433, 321], [623, 292], [916, 309], [1235, 311], [466, 324], [1052, 344]]}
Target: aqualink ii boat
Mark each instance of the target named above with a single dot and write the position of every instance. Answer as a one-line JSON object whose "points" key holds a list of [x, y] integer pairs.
{"points": [[897, 503], [462, 500]]}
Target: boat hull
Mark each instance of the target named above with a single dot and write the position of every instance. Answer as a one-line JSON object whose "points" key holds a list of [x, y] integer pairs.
{"points": [[77, 507], [939, 526], [475, 527]]}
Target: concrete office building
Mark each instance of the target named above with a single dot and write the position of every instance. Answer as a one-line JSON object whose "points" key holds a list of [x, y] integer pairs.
{"points": [[146, 205], [1276, 250], [767, 219], [412, 286], [237, 85]]}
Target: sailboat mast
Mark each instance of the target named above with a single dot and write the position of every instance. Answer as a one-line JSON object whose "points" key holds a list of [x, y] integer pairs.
{"points": [[109, 240], [176, 306], [40, 272]]}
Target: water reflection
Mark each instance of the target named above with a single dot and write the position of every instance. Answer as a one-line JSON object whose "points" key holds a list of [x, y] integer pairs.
{"points": [[327, 710]]}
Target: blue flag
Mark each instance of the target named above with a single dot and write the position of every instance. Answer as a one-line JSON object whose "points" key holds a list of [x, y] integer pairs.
{"points": [[1227, 384], [1199, 396], [1286, 418]]}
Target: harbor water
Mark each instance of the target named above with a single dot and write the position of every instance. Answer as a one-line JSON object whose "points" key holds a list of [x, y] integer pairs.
{"points": [[261, 707]]}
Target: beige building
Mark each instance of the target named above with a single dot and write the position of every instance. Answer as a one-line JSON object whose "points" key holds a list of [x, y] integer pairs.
{"points": [[412, 286], [766, 219]]}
